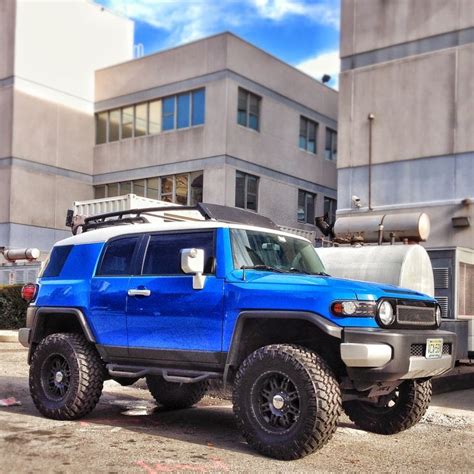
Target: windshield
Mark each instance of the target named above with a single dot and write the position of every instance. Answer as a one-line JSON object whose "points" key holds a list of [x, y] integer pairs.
{"points": [[267, 251]]}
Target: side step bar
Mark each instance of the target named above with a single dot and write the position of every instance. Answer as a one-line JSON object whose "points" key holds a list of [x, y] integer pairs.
{"points": [[170, 375]]}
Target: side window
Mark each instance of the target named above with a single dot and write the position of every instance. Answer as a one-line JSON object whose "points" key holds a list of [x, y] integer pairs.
{"points": [[117, 259], [56, 261], [163, 255]]}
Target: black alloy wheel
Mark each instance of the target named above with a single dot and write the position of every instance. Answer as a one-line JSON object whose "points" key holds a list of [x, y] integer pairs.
{"points": [[278, 400]]}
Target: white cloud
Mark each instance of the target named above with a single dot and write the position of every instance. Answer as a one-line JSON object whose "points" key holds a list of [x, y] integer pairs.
{"points": [[184, 21], [323, 63], [325, 12], [188, 20]]}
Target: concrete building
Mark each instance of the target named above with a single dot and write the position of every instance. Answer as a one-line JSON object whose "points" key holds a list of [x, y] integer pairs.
{"points": [[217, 120], [406, 126], [222, 121], [47, 65]]}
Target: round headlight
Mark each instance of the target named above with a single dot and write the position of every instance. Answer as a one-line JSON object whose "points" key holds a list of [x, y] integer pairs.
{"points": [[385, 314], [438, 315]]}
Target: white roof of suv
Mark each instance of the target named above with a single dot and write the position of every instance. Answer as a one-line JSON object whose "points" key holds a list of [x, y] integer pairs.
{"points": [[106, 233]]}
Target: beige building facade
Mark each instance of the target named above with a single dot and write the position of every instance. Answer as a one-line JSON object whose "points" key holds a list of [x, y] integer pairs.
{"points": [[47, 67], [217, 120], [222, 120], [406, 127], [411, 65]]}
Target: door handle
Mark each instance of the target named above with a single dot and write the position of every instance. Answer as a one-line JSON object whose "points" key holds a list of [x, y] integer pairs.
{"points": [[139, 292]]}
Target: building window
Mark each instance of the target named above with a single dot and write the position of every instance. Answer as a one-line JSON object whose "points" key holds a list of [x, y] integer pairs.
{"points": [[330, 206], [184, 110], [248, 110], [127, 122], [101, 127], [185, 188], [306, 202], [168, 113], [308, 135], [246, 191], [197, 114], [331, 145], [149, 118], [154, 117], [114, 125], [141, 120]]}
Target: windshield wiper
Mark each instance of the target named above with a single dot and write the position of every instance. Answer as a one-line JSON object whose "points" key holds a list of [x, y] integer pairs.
{"points": [[259, 267], [297, 270]]}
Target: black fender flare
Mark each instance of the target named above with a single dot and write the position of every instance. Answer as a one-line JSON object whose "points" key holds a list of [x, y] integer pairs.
{"points": [[34, 322], [322, 323]]}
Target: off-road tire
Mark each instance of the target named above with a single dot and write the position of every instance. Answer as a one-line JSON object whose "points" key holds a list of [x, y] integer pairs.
{"points": [[318, 401], [85, 380], [175, 395], [413, 399]]}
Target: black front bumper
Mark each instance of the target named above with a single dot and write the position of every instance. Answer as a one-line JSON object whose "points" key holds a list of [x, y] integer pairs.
{"points": [[402, 365]]}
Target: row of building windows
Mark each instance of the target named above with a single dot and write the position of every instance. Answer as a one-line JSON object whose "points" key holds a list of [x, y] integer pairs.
{"points": [[185, 189], [149, 118], [248, 115], [308, 139], [188, 110], [307, 206], [246, 197]]}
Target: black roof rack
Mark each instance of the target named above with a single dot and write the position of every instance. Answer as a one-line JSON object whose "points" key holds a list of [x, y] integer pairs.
{"points": [[139, 216]]}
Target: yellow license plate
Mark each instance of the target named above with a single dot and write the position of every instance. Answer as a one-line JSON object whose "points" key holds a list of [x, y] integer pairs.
{"points": [[434, 348]]}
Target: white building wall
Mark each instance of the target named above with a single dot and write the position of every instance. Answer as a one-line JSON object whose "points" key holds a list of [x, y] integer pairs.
{"points": [[60, 44]]}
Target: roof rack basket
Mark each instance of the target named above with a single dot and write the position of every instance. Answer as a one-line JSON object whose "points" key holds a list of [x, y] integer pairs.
{"points": [[209, 212]]}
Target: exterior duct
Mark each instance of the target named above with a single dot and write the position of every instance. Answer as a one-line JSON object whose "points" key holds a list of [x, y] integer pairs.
{"points": [[413, 226]]}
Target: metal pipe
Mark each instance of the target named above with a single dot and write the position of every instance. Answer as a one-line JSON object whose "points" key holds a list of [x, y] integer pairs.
{"points": [[371, 118], [380, 234], [12, 255]]}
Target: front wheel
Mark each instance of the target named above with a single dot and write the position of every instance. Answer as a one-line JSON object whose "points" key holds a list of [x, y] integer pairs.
{"points": [[400, 410], [286, 400], [66, 376]]}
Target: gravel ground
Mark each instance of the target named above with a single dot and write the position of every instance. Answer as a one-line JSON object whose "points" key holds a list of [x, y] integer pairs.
{"points": [[128, 433]]}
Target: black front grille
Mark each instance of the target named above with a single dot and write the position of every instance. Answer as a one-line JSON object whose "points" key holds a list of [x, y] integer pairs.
{"points": [[416, 315], [419, 350]]}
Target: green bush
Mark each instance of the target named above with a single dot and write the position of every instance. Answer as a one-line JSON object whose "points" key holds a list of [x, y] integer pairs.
{"points": [[12, 307]]}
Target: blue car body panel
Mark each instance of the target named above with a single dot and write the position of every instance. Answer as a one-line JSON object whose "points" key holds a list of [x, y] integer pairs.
{"points": [[176, 317]]}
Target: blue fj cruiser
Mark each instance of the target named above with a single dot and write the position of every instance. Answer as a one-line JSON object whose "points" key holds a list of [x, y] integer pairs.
{"points": [[225, 295]]}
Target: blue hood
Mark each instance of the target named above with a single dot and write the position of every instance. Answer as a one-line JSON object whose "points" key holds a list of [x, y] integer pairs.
{"points": [[361, 290]]}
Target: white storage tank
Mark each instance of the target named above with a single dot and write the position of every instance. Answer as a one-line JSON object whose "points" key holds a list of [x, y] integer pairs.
{"points": [[408, 266]]}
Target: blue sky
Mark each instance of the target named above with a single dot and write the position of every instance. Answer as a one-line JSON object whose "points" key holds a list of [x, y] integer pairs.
{"points": [[304, 33]]}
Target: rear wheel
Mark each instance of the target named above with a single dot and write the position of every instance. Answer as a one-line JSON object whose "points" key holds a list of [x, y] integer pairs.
{"points": [[66, 376], [287, 401], [396, 412], [175, 395]]}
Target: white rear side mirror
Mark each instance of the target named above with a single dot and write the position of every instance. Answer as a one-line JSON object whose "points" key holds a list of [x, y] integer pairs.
{"points": [[192, 261]]}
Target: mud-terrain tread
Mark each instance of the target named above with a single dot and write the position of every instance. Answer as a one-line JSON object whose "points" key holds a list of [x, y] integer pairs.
{"points": [[91, 377], [173, 395], [326, 396], [417, 397]]}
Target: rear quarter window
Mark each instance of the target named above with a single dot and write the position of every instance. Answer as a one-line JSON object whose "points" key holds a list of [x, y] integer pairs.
{"points": [[56, 262]]}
